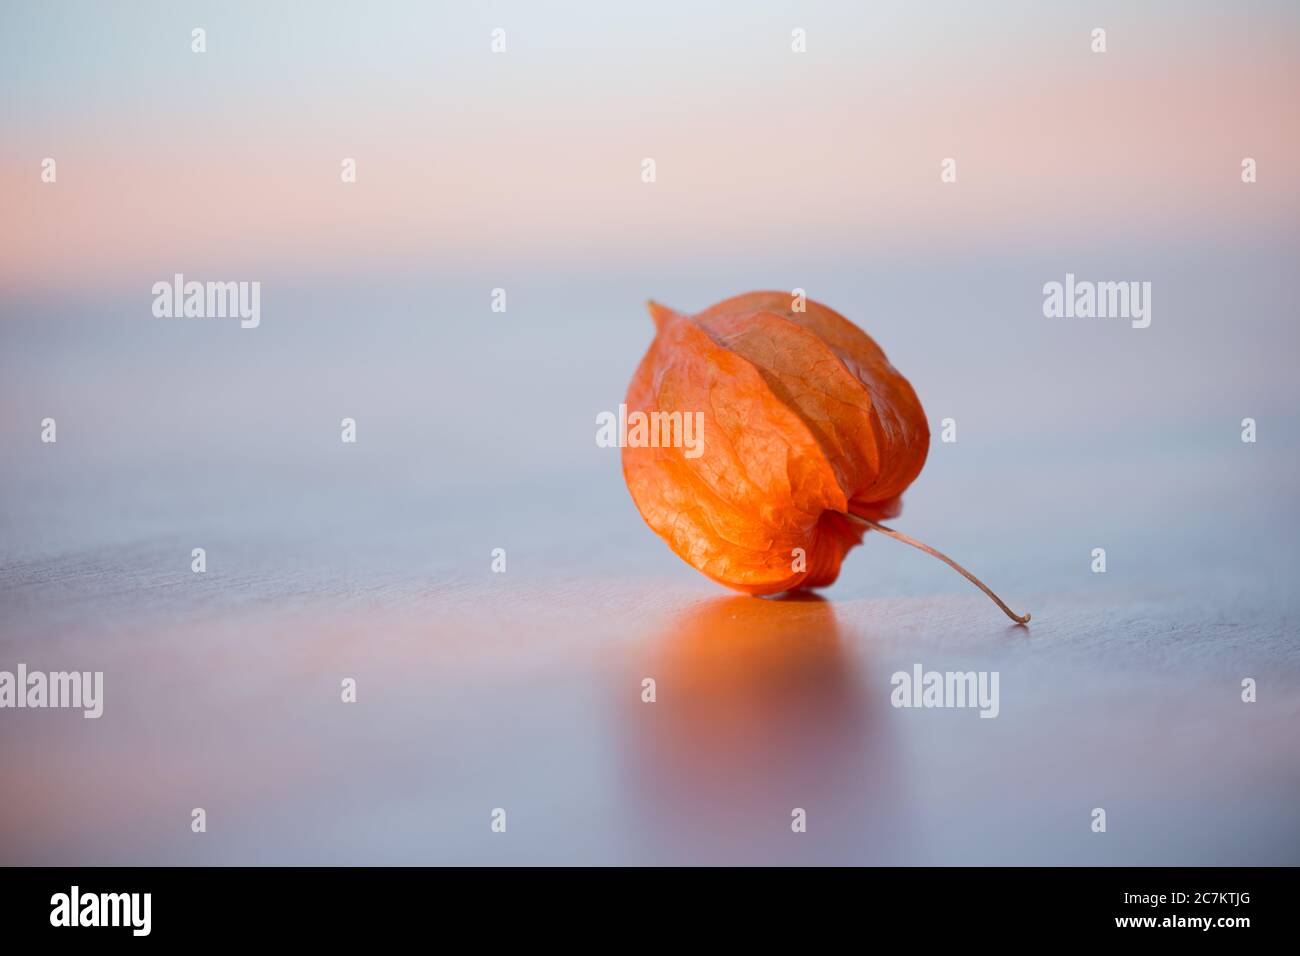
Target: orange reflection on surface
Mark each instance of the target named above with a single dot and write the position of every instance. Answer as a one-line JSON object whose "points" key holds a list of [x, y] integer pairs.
{"points": [[760, 708]]}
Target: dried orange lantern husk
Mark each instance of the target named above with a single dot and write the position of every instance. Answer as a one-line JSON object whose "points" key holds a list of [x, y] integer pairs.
{"points": [[808, 437]]}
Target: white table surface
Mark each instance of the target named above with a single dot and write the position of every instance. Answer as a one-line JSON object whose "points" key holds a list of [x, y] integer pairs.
{"points": [[522, 690]]}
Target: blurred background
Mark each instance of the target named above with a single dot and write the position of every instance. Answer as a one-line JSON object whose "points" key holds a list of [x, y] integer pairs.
{"points": [[522, 170]]}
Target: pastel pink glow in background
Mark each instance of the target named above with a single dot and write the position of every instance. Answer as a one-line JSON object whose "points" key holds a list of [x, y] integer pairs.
{"points": [[230, 160]]}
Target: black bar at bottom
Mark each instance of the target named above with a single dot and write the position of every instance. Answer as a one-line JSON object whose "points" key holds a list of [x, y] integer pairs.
{"points": [[240, 904]]}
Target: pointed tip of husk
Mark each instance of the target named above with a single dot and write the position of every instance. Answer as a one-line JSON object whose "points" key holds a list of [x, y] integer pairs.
{"points": [[659, 312]]}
